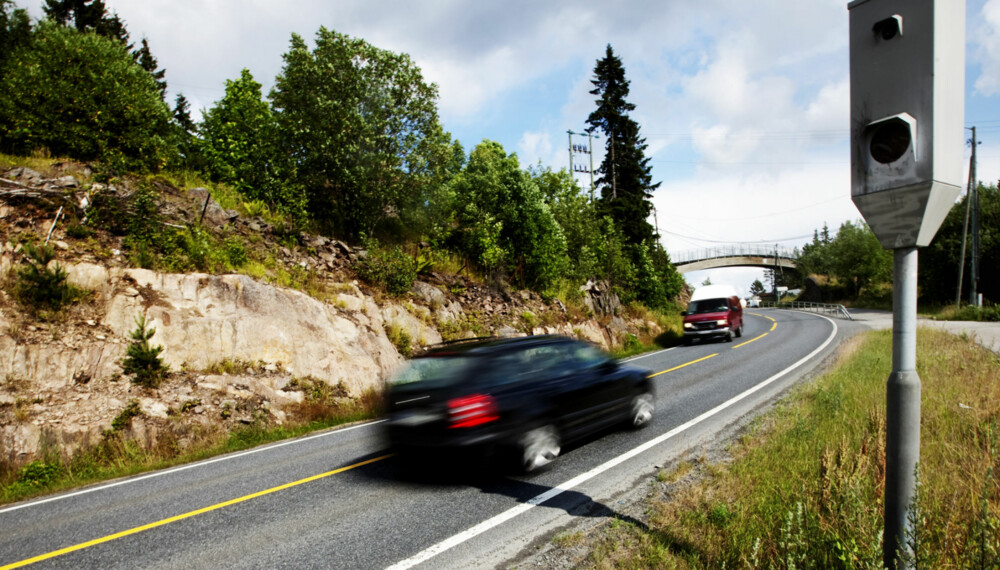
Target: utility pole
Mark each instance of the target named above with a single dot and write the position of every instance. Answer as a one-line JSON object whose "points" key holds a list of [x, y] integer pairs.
{"points": [[614, 181], [974, 204], [588, 150], [965, 226]]}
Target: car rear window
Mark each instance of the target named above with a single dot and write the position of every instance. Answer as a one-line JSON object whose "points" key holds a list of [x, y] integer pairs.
{"points": [[434, 371]]}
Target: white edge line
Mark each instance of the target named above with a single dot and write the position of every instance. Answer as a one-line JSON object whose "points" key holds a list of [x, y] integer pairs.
{"points": [[184, 467], [647, 354], [488, 524]]}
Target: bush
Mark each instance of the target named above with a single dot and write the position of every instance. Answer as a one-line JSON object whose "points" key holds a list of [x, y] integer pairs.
{"points": [[389, 268], [38, 474], [984, 313], [40, 287], [124, 420], [143, 361]]}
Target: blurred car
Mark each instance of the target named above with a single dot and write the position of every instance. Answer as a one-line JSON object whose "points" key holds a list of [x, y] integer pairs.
{"points": [[522, 397]]}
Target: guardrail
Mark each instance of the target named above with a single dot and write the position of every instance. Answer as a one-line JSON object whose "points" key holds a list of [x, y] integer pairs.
{"points": [[736, 250], [826, 308]]}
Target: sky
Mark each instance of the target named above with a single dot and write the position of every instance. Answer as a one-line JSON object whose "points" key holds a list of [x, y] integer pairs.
{"points": [[744, 105]]}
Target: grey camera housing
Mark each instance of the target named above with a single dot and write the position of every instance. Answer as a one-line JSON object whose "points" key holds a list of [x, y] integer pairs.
{"points": [[907, 115]]}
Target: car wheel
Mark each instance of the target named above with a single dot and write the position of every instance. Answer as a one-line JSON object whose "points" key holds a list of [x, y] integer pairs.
{"points": [[729, 336], [539, 446], [739, 331], [641, 410]]}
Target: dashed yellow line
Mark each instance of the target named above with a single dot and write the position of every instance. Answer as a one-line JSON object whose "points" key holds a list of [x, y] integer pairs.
{"points": [[672, 369], [183, 516], [751, 340], [774, 325]]}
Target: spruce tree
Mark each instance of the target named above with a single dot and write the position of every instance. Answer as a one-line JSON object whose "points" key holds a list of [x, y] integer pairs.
{"points": [[625, 177], [85, 16], [148, 62]]}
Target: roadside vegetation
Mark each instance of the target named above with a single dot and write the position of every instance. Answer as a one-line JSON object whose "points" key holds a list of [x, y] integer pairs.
{"points": [[348, 144], [119, 455], [849, 266], [821, 505]]}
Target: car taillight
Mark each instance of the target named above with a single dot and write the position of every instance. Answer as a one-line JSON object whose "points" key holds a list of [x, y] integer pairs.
{"points": [[471, 411]]}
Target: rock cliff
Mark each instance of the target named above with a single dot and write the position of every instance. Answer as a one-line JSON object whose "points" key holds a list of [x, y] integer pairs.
{"points": [[240, 350]]}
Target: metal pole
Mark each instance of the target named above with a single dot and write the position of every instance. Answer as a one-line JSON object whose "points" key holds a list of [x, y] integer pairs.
{"points": [[965, 227], [902, 435], [974, 198], [570, 133], [590, 146]]}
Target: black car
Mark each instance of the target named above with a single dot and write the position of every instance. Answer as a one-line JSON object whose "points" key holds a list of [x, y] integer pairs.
{"points": [[526, 395]]}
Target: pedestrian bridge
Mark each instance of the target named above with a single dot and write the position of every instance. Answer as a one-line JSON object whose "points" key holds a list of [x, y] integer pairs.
{"points": [[736, 255]]}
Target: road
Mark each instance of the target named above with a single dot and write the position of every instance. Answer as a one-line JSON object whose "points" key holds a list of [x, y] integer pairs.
{"points": [[335, 500]]}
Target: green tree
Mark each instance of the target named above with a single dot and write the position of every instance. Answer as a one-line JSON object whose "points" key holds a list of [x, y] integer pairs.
{"points": [[756, 288], [148, 62], [626, 179], [188, 144], [83, 96], [858, 259], [504, 221], [362, 124], [940, 260], [815, 256], [15, 30], [429, 212], [239, 143], [142, 360], [87, 16], [657, 280], [576, 215]]}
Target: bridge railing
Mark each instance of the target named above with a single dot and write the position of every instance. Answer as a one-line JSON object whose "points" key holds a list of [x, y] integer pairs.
{"points": [[736, 250], [826, 308]]}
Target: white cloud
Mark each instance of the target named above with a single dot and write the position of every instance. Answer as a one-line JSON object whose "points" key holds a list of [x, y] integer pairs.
{"points": [[987, 35]]}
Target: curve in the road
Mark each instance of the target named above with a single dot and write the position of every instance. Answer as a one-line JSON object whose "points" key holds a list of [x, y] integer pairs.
{"points": [[488, 524]]}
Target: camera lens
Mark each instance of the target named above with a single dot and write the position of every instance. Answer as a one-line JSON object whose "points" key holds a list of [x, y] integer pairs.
{"points": [[890, 141]]}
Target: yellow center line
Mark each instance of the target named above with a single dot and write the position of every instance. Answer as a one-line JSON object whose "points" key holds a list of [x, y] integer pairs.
{"points": [[186, 515], [670, 370], [751, 340]]}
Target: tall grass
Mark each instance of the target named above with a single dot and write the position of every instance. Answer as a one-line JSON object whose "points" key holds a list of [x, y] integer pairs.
{"points": [[806, 485]]}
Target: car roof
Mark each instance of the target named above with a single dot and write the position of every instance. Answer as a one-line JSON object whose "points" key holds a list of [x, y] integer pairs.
{"points": [[484, 345]]}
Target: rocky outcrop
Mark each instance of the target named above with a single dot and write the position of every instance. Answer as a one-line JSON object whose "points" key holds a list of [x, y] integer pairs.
{"points": [[62, 384]]}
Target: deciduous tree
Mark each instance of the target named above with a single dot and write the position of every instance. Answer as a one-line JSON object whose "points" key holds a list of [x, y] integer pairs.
{"points": [[240, 146], [15, 30], [362, 125], [83, 96], [503, 219]]}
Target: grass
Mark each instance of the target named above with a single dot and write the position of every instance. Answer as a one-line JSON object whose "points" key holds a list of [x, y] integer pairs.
{"points": [[820, 506], [119, 455], [966, 313]]}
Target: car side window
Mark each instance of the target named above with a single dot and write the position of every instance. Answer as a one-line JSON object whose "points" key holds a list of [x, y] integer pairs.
{"points": [[506, 369], [590, 356], [546, 360]]}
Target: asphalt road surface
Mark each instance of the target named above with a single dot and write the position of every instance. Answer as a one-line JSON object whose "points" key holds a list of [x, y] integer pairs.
{"points": [[336, 500]]}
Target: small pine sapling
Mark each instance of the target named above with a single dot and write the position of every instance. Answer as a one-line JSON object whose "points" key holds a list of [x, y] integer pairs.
{"points": [[142, 360]]}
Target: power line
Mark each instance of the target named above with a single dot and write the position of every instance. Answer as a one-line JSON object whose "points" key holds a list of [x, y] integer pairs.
{"points": [[731, 241]]}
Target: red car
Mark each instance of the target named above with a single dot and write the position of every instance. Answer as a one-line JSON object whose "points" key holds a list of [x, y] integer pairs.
{"points": [[717, 317]]}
